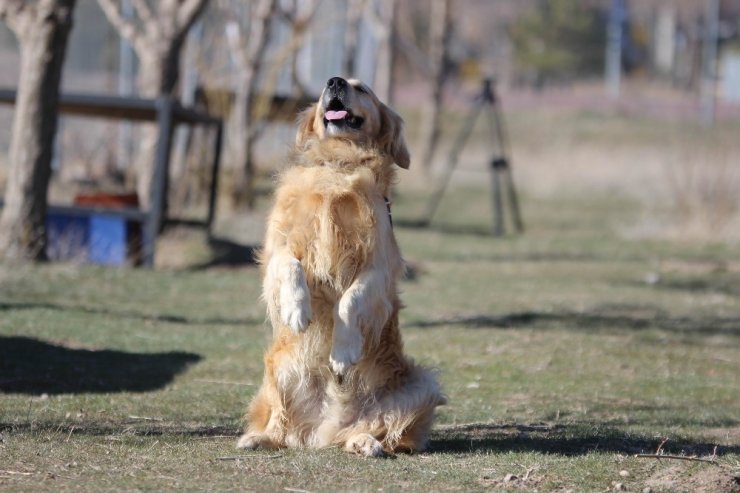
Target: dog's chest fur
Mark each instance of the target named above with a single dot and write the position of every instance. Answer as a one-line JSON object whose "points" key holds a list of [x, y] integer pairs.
{"points": [[329, 221]]}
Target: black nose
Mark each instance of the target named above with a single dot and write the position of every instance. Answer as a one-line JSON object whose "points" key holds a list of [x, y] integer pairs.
{"points": [[336, 83]]}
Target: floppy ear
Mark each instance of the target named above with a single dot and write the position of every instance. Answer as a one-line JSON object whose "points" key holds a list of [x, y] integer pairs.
{"points": [[305, 122], [391, 137]]}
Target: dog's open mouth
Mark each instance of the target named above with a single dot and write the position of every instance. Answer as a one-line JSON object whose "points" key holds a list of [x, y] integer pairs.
{"points": [[338, 115]]}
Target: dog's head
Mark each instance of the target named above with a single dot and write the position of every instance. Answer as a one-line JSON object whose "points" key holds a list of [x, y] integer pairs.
{"points": [[348, 109]]}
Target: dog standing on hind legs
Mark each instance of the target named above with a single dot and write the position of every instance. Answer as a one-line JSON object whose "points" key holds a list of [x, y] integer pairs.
{"points": [[335, 373]]}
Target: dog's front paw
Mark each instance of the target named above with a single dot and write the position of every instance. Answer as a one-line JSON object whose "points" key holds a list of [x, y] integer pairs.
{"points": [[346, 349], [295, 300], [295, 309]]}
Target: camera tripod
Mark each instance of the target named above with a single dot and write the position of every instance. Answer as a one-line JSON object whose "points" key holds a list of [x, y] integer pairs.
{"points": [[499, 165]]}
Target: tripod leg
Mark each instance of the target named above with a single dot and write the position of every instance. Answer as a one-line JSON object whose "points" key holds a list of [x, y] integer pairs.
{"points": [[436, 197], [514, 202], [496, 122], [498, 208]]}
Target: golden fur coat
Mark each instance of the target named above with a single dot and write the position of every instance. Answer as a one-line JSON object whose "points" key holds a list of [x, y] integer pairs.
{"points": [[335, 373]]}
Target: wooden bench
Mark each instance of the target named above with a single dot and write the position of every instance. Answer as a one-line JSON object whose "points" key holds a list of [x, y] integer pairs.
{"points": [[167, 113]]}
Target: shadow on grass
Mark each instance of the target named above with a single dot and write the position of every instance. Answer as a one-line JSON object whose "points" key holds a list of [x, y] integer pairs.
{"points": [[162, 317], [474, 438], [597, 319], [228, 253], [32, 366], [445, 228], [714, 284], [130, 427], [561, 440]]}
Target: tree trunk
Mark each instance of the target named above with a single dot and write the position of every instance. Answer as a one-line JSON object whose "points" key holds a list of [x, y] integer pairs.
{"points": [[439, 35], [352, 36], [299, 19], [158, 75], [42, 31], [157, 37], [383, 84], [249, 52]]}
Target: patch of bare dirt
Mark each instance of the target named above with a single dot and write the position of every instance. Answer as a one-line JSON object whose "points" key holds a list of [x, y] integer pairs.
{"points": [[510, 481], [693, 479]]}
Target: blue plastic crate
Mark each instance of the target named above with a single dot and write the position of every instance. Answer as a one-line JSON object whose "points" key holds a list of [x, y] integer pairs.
{"points": [[95, 238], [68, 237]]}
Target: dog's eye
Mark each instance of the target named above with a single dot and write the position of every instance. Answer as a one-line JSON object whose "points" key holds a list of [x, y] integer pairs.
{"points": [[360, 89]]}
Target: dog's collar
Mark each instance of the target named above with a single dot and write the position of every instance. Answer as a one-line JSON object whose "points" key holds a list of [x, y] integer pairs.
{"points": [[388, 206]]}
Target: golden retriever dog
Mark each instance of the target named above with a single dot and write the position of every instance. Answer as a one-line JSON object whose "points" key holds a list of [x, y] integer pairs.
{"points": [[335, 373]]}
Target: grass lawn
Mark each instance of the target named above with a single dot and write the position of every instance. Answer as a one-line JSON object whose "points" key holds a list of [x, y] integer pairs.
{"points": [[564, 353]]}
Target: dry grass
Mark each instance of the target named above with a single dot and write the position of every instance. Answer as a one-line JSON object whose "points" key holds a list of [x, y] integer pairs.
{"points": [[681, 174], [564, 352]]}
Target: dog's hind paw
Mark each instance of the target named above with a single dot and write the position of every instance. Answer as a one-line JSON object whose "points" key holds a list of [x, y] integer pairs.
{"points": [[366, 445], [251, 441]]}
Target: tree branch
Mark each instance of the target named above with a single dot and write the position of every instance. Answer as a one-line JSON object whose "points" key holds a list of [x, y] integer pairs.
{"points": [[377, 25], [143, 10], [292, 17], [126, 28], [15, 13], [259, 34], [236, 42], [287, 13], [303, 21], [188, 11], [675, 457]]}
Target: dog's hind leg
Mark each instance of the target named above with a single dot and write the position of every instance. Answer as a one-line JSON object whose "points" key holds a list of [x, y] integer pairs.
{"points": [[266, 428], [415, 437], [409, 412], [406, 414]]}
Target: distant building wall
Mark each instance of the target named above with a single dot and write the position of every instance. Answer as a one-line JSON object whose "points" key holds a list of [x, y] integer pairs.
{"points": [[730, 70]]}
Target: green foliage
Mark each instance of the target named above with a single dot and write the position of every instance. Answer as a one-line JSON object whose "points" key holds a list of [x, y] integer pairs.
{"points": [[559, 39]]}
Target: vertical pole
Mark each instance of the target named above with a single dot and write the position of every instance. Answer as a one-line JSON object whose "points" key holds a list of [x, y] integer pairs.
{"points": [[497, 167], [613, 70], [158, 188], [187, 95], [214, 177], [709, 62], [125, 88]]}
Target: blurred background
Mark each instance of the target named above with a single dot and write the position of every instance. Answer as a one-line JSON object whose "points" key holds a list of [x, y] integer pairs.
{"points": [[634, 101]]}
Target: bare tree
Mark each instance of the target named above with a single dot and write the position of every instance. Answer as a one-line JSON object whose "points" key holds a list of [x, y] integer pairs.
{"points": [[42, 29], [352, 35], [386, 33], [299, 18], [157, 33], [439, 34], [249, 53]]}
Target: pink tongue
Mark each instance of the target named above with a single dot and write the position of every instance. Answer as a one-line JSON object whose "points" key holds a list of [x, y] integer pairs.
{"points": [[335, 115]]}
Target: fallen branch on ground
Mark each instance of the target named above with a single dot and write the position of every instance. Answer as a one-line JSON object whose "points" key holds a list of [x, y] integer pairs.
{"points": [[660, 455], [255, 456], [145, 418], [677, 457], [210, 437]]}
